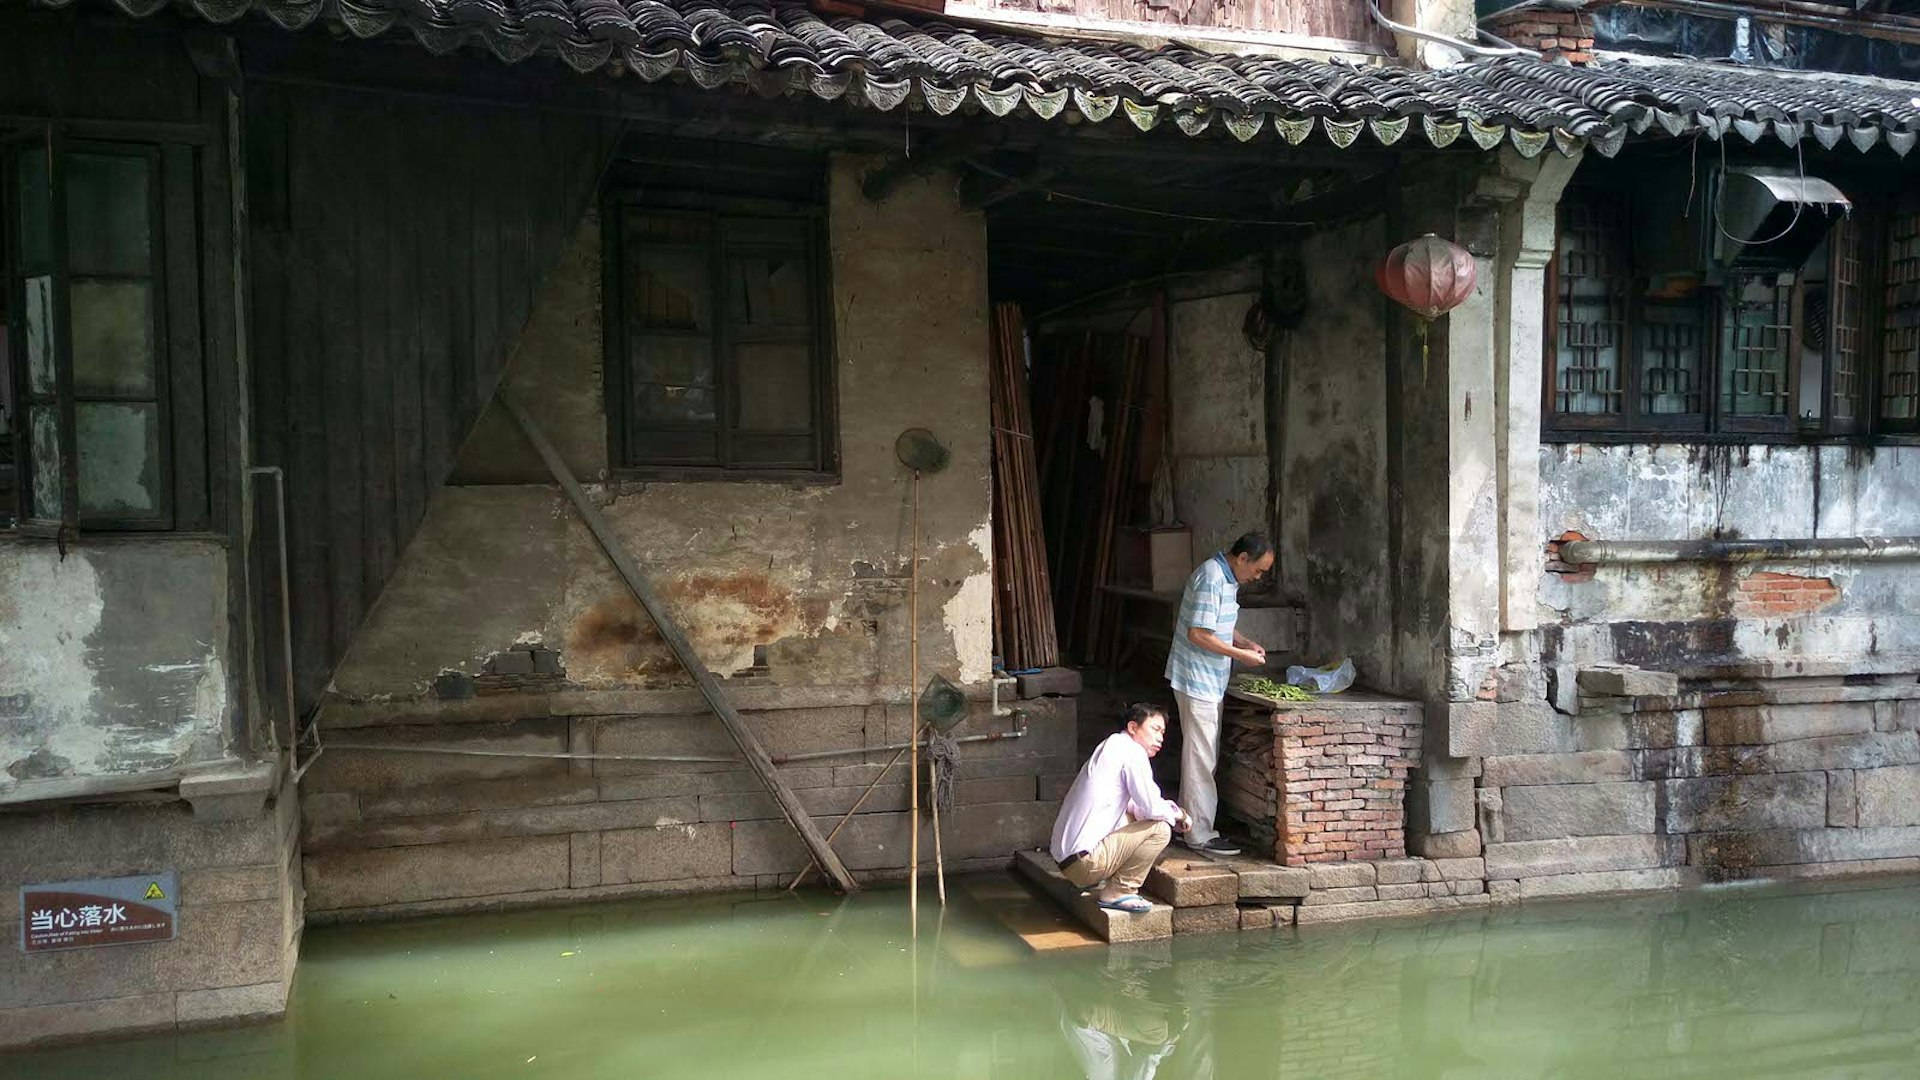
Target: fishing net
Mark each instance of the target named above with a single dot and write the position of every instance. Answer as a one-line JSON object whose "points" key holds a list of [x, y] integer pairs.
{"points": [[944, 752]]}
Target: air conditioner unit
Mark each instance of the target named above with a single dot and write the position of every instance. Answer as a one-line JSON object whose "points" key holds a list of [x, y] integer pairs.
{"points": [[1743, 219], [1765, 217]]}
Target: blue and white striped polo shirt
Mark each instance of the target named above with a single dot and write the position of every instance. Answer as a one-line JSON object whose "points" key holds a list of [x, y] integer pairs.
{"points": [[1212, 602]]}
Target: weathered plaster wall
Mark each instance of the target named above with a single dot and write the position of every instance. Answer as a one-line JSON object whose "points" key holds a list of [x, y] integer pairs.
{"points": [[114, 660], [506, 632], [1789, 744], [1218, 436], [1333, 509], [808, 577], [1696, 613]]}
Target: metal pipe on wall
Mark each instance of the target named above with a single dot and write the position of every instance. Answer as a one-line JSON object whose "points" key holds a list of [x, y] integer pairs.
{"points": [[1019, 731], [1838, 549], [1462, 47]]}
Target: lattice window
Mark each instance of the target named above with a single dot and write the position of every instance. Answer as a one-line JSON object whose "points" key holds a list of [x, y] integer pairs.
{"points": [[1672, 339], [1756, 331], [1841, 334], [1900, 358], [1591, 308]]}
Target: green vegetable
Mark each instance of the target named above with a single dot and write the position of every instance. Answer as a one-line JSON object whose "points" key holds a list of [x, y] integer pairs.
{"points": [[1267, 688]]}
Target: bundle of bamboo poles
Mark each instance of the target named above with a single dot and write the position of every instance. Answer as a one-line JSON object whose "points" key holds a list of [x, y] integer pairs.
{"points": [[1103, 620], [1091, 494], [1023, 629]]}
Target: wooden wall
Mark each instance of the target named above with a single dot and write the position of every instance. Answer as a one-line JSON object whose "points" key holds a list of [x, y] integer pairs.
{"points": [[1343, 20], [397, 247]]}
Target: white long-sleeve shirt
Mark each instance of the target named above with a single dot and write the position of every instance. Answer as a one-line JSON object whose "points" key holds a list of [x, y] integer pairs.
{"points": [[1116, 783]]}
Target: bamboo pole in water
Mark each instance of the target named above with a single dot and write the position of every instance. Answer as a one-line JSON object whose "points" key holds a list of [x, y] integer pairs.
{"points": [[913, 695]]}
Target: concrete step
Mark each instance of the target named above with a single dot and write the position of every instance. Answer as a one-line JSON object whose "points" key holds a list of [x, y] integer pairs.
{"points": [[1039, 868]]}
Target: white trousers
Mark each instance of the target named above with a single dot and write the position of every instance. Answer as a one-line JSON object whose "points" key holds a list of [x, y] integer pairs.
{"points": [[1199, 754]]}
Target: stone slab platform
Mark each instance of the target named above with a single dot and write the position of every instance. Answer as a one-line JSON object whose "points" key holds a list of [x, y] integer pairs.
{"points": [[1190, 879], [1112, 926], [1196, 893]]}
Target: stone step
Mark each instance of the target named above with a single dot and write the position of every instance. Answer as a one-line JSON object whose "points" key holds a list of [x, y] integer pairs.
{"points": [[1037, 922], [1039, 868], [1260, 879], [1192, 882]]}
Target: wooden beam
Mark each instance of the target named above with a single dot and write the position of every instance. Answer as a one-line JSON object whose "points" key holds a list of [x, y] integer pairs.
{"points": [[938, 154], [709, 687]]}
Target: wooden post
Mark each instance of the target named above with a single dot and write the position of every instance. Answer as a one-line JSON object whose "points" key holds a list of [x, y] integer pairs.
{"points": [[750, 747]]}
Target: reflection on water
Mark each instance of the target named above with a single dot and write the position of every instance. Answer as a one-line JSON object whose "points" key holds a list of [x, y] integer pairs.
{"points": [[1739, 983]]}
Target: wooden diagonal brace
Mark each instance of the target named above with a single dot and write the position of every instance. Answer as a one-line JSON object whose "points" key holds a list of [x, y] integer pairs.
{"points": [[629, 570]]}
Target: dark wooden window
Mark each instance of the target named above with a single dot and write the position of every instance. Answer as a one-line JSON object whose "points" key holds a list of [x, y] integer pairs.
{"points": [[85, 353], [719, 362], [1626, 353], [1806, 352], [1758, 351], [1900, 351], [1835, 322]]}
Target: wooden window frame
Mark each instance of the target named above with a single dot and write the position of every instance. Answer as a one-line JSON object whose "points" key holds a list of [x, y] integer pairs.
{"points": [[173, 210], [1633, 419], [719, 211], [1904, 427], [1714, 423]]}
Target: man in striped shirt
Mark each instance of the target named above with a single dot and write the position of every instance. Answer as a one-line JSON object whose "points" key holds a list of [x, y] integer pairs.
{"points": [[1205, 645]]}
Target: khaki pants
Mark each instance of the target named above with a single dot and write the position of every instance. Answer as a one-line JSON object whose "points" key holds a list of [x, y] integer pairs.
{"points": [[1199, 756], [1122, 859]]}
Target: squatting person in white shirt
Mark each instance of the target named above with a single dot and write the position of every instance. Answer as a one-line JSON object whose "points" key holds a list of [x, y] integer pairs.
{"points": [[1114, 821]]}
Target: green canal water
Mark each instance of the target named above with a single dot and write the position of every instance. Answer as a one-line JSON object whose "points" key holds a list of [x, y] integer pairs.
{"points": [[1743, 982]]}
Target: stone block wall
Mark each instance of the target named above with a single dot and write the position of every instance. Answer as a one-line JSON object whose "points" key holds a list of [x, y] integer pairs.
{"points": [[1784, 778], [239, 920], [391, 830]]}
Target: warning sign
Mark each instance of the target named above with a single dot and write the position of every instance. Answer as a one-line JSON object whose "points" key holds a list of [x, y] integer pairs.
{"points": [[86, 914]]}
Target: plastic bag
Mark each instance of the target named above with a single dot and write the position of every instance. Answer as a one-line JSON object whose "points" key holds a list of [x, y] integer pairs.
{"points": [[1326, 680]]}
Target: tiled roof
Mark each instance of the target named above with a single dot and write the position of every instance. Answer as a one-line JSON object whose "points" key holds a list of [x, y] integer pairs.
{"points": [[779, 48]]}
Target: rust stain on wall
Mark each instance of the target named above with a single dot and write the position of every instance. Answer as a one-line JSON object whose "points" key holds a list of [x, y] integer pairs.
{"points": [[722, 615]]}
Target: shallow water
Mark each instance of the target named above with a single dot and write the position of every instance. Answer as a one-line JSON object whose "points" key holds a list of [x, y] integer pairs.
{"points": [[1729, 983]]}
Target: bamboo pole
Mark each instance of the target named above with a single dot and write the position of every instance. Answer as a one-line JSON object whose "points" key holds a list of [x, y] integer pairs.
{"points": [[939, 857], [848, 816], [743, 737], [913, 695]]}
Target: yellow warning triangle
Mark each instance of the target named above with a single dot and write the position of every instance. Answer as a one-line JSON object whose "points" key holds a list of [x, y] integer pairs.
{"points": [[154, 893]]}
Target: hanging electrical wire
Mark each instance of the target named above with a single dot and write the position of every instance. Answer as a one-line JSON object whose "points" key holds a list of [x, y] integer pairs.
{"points": [[1147, 210]]}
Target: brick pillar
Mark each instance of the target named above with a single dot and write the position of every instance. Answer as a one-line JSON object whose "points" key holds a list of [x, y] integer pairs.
{"points": [[1559, 35], [1342, 776]]}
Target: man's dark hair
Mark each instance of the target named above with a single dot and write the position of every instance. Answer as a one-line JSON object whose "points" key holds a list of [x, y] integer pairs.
{"points": [[1253, 545], [1140, 711]]}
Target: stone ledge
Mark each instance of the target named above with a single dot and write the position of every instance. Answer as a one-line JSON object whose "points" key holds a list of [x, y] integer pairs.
{"points": [[1112, 926], [1584, 854], [42, 1025], [1620, 680], [1609, 883], [1382, 909], [229, 790], [1806, 667], [1192, 883]]}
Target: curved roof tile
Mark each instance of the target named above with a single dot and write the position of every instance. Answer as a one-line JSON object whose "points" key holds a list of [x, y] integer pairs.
{"points": [[763, 42]]}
